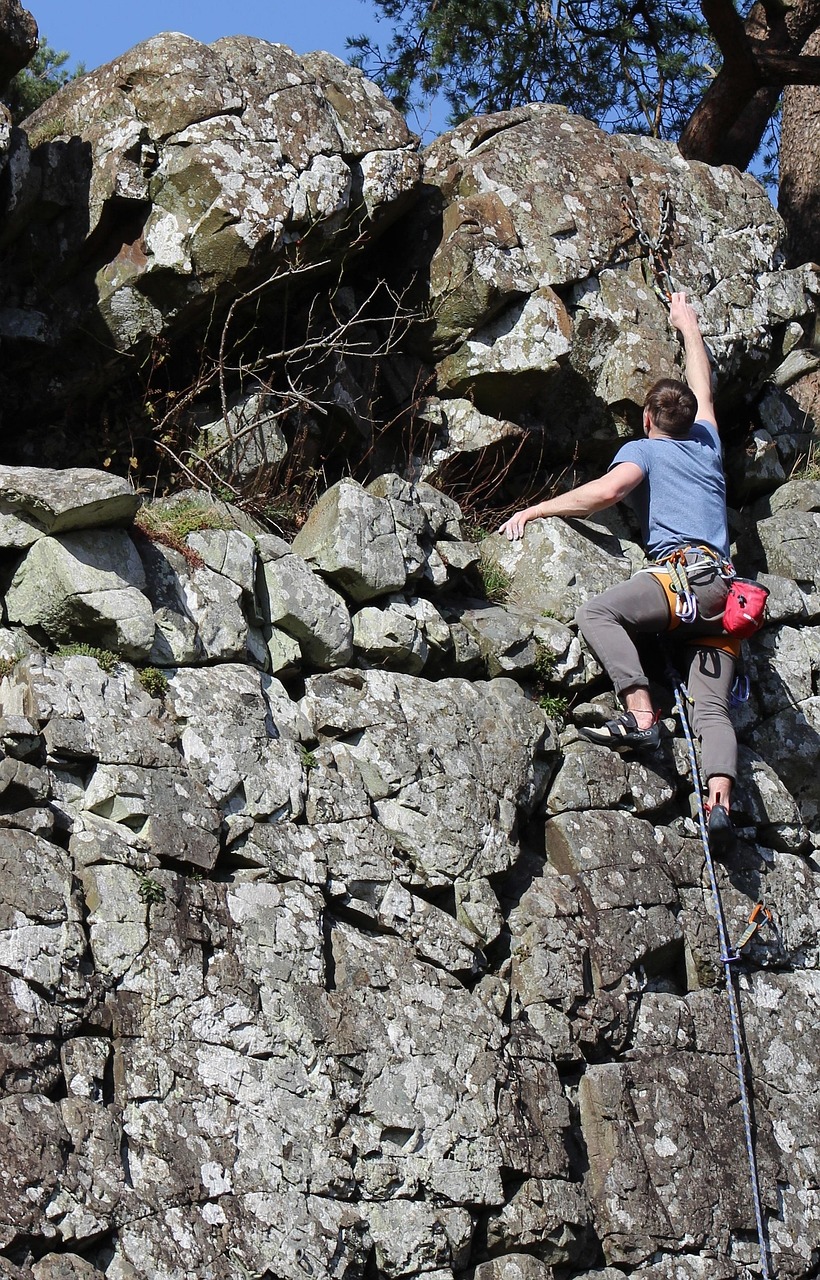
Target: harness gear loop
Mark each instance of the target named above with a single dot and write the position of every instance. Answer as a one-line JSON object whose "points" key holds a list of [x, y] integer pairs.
{"points": [[727, 961], [671, 572]]}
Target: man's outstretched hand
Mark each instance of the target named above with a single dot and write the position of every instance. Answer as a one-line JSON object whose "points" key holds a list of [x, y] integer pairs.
{"points": [[514, 527], [682, 313]]}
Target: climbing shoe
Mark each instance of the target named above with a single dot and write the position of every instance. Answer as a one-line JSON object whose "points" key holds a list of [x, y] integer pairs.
{"points": [[721, 831], [624, 732]]}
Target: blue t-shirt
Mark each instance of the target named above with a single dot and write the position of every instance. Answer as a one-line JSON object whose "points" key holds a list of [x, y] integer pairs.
{"points": [[682, 498]]}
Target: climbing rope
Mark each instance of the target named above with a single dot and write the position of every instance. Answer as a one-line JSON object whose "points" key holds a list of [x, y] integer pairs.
{"points": [[658, 246], [728, 958]]}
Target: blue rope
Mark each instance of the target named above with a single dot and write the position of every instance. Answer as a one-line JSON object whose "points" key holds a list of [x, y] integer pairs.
{"points": [[727, 959]]}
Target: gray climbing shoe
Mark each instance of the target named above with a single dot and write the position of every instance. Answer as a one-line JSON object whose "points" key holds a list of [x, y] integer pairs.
{"points": [[624, 733]]}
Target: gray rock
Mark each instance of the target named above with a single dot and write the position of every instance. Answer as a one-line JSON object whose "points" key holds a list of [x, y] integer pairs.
{"points": [[240, 736], [412, 1238], [400, 733], [558, 565], [85, 586], [209, 183], [247, 438], [595, 778], [516, 227], [35, 501], [791, 542], [352, 538], [297, 601], [390, 637], [18, 39], [462, 430], [168, 810], [203, 613]]}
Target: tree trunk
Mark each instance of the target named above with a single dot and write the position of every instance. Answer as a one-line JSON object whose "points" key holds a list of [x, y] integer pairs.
{"points": [[729, 122], [799, 199]]}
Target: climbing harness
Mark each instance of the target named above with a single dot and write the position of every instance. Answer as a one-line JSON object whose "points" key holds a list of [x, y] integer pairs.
{"points": [[728, 958], [672, 573], [657, 247]]}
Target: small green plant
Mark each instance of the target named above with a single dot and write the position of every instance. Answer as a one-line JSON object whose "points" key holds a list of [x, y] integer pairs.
{"points": [[475, 532], [555, 707], [496, 580], [47, 132], [154, 682], [308, 758], [103, 657], [151, 891], [171, 524], [545, 661], [7, 665], [549, 613], [807, 466]]}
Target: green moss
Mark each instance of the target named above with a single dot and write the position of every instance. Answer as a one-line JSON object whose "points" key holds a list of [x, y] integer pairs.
{"points": [[496, 580], [103, 657], [544, 661], [153, 681], [808, 467], [171, 524], [555, 707], [47, 132]]}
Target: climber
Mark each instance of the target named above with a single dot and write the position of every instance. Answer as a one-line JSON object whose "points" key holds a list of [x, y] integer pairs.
{"points": [[674, 479]]}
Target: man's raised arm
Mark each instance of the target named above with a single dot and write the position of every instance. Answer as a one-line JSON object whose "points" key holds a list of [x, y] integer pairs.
{"points": [[698, 370]]}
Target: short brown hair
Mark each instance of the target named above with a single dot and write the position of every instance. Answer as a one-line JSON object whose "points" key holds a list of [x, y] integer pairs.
{"points": [[672, 407]]}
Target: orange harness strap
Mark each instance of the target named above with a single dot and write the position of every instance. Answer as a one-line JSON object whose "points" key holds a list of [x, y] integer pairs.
{"points": [[727, 644], [671, 598]]}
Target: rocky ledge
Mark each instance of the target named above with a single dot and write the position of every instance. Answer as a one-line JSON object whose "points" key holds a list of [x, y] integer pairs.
{"points": [[328, 949]]}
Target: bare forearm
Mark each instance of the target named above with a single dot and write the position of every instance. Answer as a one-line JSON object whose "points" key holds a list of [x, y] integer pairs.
{"points": [[580, 502], [698, 369]]}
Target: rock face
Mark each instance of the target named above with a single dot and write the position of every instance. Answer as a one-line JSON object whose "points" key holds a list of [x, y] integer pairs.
{"points": [[380, 969], [18, 39], [545, 305], [177, 171], [203, 214], [328, 946]]}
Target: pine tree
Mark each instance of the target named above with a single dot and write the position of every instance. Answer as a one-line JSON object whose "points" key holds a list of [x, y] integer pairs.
{"points": [[43, 76], [635, 64]]}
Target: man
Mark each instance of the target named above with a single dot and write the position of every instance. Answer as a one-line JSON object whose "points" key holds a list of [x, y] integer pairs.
{"points": [[674, 479]]}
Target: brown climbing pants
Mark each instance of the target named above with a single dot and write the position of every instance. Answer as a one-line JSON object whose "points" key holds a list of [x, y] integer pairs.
{"points": [[609, 621]]}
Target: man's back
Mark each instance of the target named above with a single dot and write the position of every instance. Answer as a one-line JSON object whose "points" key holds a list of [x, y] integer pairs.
{"points": [[682, 498]]}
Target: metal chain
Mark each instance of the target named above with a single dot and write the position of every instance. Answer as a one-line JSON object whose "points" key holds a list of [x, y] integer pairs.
{"points": [[657, 248], [727, 960]]}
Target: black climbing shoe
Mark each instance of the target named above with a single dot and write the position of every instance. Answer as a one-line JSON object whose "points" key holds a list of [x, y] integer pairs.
{"points": [[624, 732], [721, 831]]}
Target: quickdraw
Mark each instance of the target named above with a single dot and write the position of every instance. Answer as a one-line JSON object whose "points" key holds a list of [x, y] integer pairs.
{"points": [[686, 603], [657, 248], [761, 915], [741, 691]]}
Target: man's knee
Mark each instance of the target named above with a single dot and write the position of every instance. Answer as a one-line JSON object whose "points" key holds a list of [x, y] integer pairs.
{"points": [[588, 615]]}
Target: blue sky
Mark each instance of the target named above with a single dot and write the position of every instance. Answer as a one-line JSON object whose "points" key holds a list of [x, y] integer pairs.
{"points": [[95, 31]]}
